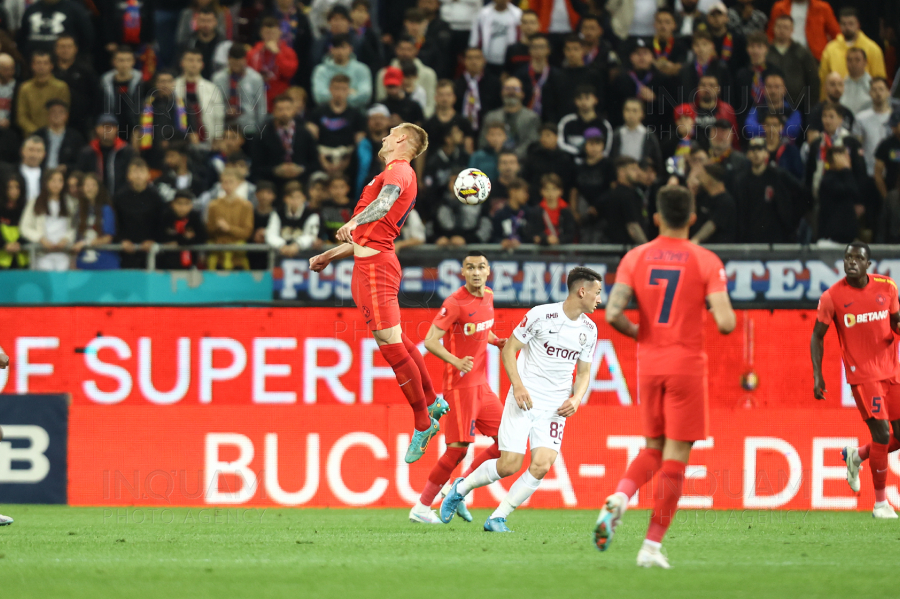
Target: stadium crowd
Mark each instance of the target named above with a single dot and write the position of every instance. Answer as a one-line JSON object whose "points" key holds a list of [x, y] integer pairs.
{"points": [[146, 122]]}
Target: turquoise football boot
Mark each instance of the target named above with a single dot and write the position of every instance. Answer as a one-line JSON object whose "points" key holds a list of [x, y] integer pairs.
{"points": [[496, 525], [438, 408], [419, 442]]}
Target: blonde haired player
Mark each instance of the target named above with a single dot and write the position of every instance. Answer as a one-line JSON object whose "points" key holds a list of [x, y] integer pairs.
{"points": [[369, 237]]}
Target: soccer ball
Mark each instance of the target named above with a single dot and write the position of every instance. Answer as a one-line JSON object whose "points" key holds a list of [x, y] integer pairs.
{"points": [[472, 186]]}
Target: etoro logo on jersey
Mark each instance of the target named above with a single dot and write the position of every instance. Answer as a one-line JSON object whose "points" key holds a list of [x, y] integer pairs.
{"points": [[851, 320], [476, 327], [561, 352]]}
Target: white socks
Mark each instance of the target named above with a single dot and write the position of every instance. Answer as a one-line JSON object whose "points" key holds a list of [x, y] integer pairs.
{"points": [[518, 493], [482, 477], [651, 545]]}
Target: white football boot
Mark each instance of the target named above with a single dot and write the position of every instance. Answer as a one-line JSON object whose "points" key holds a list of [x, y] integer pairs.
{"points": [[422, 514], [5, 520], [850, 456], [652, 557], [884, 512]]}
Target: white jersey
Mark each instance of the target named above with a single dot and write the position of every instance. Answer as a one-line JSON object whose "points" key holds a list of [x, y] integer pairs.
{"points": [[553, 344]]}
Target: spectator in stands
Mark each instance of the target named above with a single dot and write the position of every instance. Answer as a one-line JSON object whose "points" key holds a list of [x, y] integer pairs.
{"points": [[833, 134], [629, 18], [47, 220], [369, 164], [337, 210], [834, 90], [477, 91], [413, 90], [274, 59], [95, 224], [182, 226], [669, 52], [623, 208], [180, 174], [676, 148], [745, 18], [8, 85], [239, 165], [644, 82], [187, 21], [203, 102], [451, 157], [262, 214], [494, 30], [721, 151], [244, 91], [339, 23], [84, 86], [634, 138], [547, 156], [139, 210], [709, 108], [33, 154], [401, 106], [163, 120], [509, 169], [430, 35], [731, 46], [513, 221], [486, 158], [857, 82], [749, 82], [45, 20], [716, 213], [338, 128], [427, 78], [521, 124], [598, 52], [206, 40], [33, 95], [782, 151], [559, 226], [887, 158], [840, 200], [593, 178], [816, 24], [457, 224], [689, 18], [543, 83], [769, 201], [774, 103], [518, 55], [705, 64], [871, 125], [800, 69], [12, 204], [368, 40], [834, 57], [413, 232], [297, 33], [342, 61], [446, 117], [572, 126], [123, 91], [285, 151], [62, 142], [576, 73], [295, 226], [229, 221]]}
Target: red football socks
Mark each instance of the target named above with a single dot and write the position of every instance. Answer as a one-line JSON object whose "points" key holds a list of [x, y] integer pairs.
{"points": [[491, 453], [893, 446], [440, 474], [640, 472], [416, 355], [671, 483], [878, 460], [410, 381]]}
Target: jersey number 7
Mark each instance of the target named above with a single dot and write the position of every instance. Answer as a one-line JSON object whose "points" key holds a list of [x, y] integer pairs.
{"points": [[670, 278]]}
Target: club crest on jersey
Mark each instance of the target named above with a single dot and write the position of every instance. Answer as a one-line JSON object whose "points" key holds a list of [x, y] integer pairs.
{"points": [[524, 322], [880, 299], [582, 339], [443, 311], [365, 310]]}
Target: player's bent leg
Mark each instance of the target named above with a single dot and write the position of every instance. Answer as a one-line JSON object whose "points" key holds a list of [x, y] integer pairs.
{"points": [[487, 473], [427, 387], [542, 459], [878, 452], [436, 479]]}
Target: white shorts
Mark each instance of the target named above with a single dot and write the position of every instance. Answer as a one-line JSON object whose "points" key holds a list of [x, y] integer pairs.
{"points": [[518, 427]]}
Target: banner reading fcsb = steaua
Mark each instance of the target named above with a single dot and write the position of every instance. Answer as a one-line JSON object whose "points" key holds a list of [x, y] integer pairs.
{"points": [[295, 407]]}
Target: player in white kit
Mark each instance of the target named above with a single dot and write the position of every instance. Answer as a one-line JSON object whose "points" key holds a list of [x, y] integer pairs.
{"points": [[554, 340]]}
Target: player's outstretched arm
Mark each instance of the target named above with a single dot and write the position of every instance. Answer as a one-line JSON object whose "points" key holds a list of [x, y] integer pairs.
{"points": [[434, 345], [318, 263], [816, 351], [508, 357], [582, 380], [723, 313], [615, 310]]}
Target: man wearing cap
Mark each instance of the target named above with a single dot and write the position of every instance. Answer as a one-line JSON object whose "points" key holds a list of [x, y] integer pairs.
{"points": [[676, 145], [643, 81], [377, 128], [405, 50], [769, 200], [63, 143], [107, 156], [403, 108], [730, 45], [342, 61], [522, 125]]}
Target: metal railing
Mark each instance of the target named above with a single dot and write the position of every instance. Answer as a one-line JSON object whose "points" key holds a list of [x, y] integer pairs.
{"points": [[35, 249]]}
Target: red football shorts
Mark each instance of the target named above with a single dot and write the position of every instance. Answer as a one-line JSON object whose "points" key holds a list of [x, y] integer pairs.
{"points": [[375, 285], [878, 399], [471, 408], [674, 405]]}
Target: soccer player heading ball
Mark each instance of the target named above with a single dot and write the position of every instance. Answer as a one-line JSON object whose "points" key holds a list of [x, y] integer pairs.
{"points": [[552, 341], [672, 280], [866, 313], [369, 237]]}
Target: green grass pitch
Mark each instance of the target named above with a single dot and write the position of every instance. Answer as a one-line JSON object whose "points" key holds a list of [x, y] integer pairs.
{"points": [[310, 553]]}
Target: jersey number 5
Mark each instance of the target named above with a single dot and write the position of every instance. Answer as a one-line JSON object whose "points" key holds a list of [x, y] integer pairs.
{"points": [[669, 278]]}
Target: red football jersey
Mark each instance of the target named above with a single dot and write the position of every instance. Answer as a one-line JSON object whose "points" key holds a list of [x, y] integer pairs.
{"points": [[862, 318], [671, 279], [468, 321], [380, 234]]}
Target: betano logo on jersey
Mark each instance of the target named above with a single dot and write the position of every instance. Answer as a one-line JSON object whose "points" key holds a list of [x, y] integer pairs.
{"points": [[476, 327], [851, 320]]}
